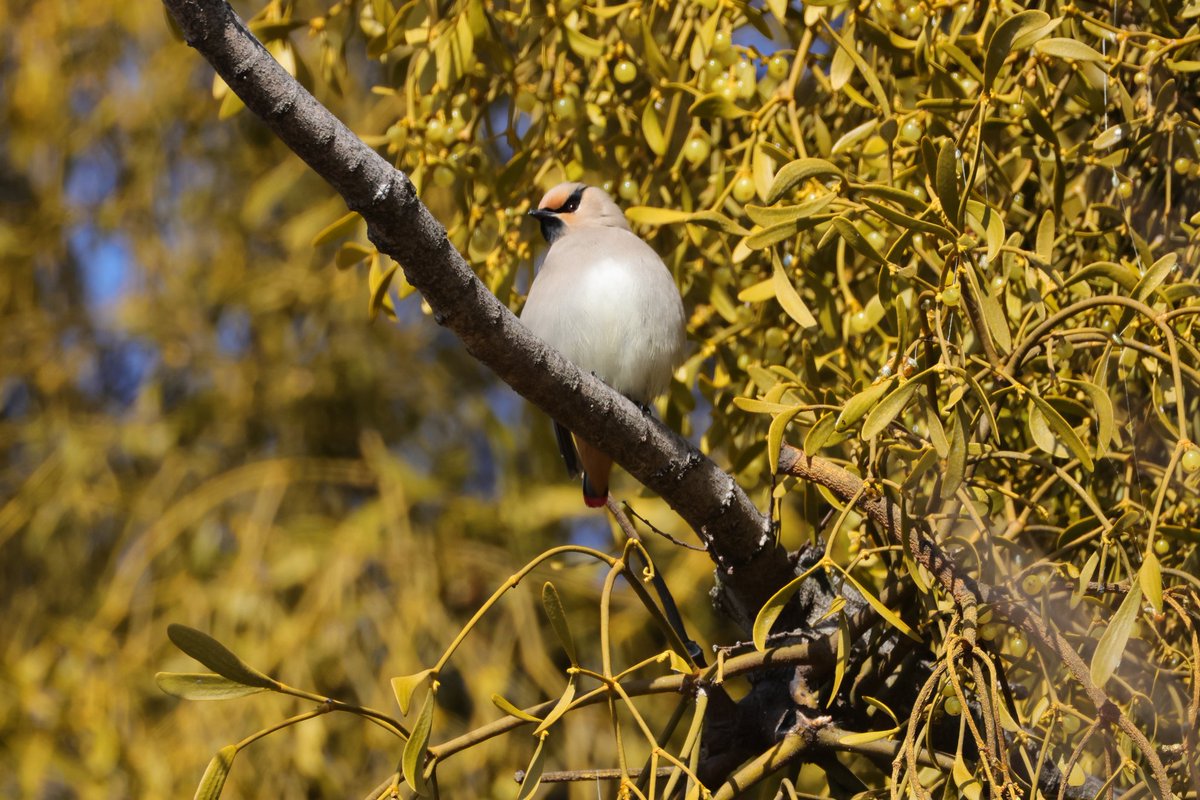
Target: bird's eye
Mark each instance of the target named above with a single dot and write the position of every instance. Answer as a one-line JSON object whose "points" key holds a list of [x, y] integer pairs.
{"points": [[572, 203]]}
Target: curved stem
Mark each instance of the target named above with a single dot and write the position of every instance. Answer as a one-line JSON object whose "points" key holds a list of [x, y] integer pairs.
{"points": [[512, 582], [1054, 320]]}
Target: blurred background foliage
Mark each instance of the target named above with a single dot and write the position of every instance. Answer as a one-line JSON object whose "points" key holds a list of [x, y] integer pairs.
{"points": [[200, 425]]}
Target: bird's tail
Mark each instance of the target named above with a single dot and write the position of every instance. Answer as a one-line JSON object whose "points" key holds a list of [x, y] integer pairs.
{"points": [[597, 467]]}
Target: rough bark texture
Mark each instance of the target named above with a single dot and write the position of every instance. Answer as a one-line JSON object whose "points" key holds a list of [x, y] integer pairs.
{"points": [[751, 566]]}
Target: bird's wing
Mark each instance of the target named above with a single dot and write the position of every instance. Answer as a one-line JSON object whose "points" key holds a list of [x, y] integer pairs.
{"points": [[566, 446]]}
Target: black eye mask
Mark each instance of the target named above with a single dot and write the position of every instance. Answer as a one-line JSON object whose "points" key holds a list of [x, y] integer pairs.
{"points": [[572, 204], [552, 226]]}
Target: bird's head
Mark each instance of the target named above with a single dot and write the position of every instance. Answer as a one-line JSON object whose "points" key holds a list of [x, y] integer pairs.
{"points": [[570, 206]]}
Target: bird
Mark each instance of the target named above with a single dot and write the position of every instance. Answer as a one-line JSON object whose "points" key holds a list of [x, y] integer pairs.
{"points": [[605, 300]]}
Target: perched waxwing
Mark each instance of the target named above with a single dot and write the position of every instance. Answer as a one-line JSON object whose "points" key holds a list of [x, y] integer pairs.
{"points": [[605, 300]]}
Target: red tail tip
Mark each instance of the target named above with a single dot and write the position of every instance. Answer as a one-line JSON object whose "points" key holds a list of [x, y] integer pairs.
{"points": [[595, 502]]}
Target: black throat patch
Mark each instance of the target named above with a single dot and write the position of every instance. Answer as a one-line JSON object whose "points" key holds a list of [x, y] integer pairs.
{"points": [[552, 228]]}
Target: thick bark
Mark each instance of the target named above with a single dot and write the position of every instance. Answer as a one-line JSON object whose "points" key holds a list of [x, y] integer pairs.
{"points": [[751, 566]]}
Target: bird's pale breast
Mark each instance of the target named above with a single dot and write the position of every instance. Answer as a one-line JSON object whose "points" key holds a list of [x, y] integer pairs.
{"points": [[606, 301]]}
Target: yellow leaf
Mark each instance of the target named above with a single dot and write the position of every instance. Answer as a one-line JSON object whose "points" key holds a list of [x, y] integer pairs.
{"points": [[888, 615], [1150, 579], [1108, 653], [509, 708], [759, 292], [775, 434], [404, 686], [412, 761], [342, 226], [796, 172], [789, 298]]}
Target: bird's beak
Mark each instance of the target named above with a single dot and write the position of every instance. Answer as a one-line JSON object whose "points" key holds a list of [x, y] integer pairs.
{"points": [[542, 213]]}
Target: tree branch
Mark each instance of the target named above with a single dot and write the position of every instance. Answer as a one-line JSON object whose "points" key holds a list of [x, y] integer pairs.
{"points": [[751, 565], [965, 590]]}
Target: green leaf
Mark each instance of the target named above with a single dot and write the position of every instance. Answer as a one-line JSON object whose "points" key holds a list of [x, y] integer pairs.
{"points": [[888, 615], [956, 456], [771, 609], [757, 293], [513, 172], [678, 663], [882, 415], [1105, 418], [215, 773], [533, 773], [996, 321], [775, 434], [762, 167], [848, 46], [843, 655], [412, 762], [1041, 126], [715, 220], [841, 67], [652, 130], [231, 106], [1108, 653], [351, 253], [214, 655], [1154, 277], [796, 172], [1085, 577], [270, 30], [946, 180], [584, 46], [1031, 35], [404, 686], [560, 708], [508, 708], [937, 433], [1150, 580], [343, 226], [775, 215], [819, 434], [928, 458], [861, 403], [716, 106], [968, 785], [1063, 431], [202, 686], [1067, 48], [907, 221], [1045, 237], [895, 195], [649, 215], [879, 705], [853, 136], [855, 239], [1120, 274], [1109, 137], [989, 223], [790, 299], [864, 737], [1001, 43], [1043, 436], [379, 280], [558, 619], [774, 234], [654, 57]]}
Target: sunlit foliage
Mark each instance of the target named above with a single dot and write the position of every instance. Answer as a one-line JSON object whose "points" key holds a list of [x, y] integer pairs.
{"points": [[950, 247]]}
